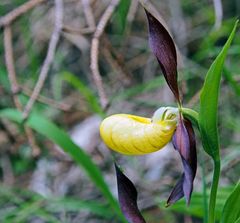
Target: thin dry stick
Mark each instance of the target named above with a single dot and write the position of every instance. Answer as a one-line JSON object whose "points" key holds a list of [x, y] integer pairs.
{"points": [[49, 58], [32, 142], [89, 19], [218, 13], [122, 77], [8, 176], [115, 60], [132, 11], [74, 31], [95, 51], [14, 84], [88, 14], [10, 66], [11, 16], [59, 105]]}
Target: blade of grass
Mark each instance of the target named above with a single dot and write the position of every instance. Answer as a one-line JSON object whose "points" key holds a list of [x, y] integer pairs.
{"points": [[231, 210], [204, 189], [20, 199], [208, 118], [209, 102], [120, 17], [28, 210], [58, 136]]}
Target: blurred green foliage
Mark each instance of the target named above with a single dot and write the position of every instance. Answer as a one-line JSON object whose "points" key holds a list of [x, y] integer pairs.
{"points": [[70, 75]]}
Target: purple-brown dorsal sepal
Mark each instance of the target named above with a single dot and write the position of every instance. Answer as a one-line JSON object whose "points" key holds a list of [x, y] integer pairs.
{"points": [[184, 142], [127, 196], [164, 49]]}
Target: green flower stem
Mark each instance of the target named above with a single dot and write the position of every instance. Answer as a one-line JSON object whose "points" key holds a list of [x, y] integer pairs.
{"points": [[204, 189], [191, 114], [213, 193]]}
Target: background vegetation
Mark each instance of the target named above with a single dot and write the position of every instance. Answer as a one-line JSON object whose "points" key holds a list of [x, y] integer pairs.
{"points": [[40, 182]]}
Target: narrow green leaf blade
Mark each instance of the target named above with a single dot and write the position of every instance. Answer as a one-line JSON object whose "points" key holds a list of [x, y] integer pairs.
{"points": [[238, 221], [209, 102], [58, 136], [231, 210], [14, 201], [120, 17]]}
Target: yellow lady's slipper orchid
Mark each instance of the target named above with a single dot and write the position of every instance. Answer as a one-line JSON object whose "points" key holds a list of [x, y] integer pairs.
{"points": [[135, 135]]}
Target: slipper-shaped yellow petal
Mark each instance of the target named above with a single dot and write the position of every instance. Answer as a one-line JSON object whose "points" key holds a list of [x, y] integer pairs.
{"points": [[135, 135]]}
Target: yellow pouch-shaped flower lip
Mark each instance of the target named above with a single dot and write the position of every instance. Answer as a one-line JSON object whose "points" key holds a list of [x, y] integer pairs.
{"points": [[136, 135]]}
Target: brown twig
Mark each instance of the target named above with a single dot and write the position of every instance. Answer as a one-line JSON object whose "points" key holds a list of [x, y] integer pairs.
{"points": [[11, 16], [137, 61], [48, 101], [218, 9], [95, 51], [87, 10], [91, 26], [9, 135], [10, 65], [8, 176], [132, 11], [116, 62], [49, 58], [74, 31], [14, 84]]}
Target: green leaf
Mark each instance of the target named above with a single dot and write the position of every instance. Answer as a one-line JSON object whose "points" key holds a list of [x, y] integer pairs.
{"points": [[231, 210], [209, 102], [238, 221], [26, 211], [120, 17], [191, 115], [58, 136]]}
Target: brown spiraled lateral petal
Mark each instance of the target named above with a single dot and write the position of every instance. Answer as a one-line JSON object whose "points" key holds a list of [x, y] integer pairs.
{"points": [[164, 49], [127, 196], [184, 143]]}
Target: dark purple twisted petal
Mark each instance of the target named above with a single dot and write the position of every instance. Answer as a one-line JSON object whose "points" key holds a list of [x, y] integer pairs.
{"points": [[177, 192], [184, 143], [127, 196], [164, 49]]}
